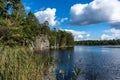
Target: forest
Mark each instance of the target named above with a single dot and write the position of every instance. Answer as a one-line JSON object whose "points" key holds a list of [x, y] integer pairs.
{"points": [[20, 28], [98, 42]]}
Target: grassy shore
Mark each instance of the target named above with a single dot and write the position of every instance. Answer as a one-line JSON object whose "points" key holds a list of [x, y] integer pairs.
{"points": [[20, 64]]}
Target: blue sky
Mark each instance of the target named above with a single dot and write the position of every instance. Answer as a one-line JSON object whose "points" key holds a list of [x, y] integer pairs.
{"points": [[86, 19]]}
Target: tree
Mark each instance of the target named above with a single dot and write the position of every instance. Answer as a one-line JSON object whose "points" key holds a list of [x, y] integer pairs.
{"points": [[53, 37], [45, 28], [31, 28], [19, 28], [18, 12], [3, 8], [70, 39]]}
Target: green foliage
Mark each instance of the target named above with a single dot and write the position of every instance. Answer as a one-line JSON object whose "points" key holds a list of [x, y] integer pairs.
{"points": [[31, 27], [70, 39], [2, 9], [45, 28], [53, 37], [20, 28], [98, 42], [2, 22], [61, 38], [53, 40]]}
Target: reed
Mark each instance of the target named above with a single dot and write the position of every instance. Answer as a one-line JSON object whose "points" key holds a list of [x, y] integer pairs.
{"points": [[20, 64]]}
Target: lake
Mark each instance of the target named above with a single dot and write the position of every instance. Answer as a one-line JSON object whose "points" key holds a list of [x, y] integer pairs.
{"points": [[95, 62]]}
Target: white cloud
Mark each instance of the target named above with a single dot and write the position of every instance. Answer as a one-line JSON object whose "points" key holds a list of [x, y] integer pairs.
{"points": [[27, 8], [79, 35], [111, 34], [113, 30], [64, 19], [47, 15], [94, 12], [107, 37]]}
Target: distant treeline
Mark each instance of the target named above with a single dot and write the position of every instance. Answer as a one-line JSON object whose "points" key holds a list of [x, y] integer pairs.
{"points": [[98, 42], [19, 28]]}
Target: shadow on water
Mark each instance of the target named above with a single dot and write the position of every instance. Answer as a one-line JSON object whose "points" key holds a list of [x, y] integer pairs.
{"points": [[65, 69]]}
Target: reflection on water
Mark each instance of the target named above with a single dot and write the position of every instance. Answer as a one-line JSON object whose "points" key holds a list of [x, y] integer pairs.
{"points": [[96, 63], [64, 64]]}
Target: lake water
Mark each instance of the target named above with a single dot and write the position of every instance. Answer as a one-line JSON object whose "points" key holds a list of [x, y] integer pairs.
{"points": [[95, 62]]}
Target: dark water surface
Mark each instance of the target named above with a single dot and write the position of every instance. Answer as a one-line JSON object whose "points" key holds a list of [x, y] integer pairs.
{"points": [[95, 62]]}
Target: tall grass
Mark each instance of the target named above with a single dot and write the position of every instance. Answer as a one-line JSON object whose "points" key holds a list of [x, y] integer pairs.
{"points": [[20, 64]]}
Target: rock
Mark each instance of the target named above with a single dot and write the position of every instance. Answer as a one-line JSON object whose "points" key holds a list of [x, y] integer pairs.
{"points": [[42, 43]]}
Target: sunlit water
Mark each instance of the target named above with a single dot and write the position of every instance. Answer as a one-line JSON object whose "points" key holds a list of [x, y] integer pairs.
{"points": [[95, 62]]}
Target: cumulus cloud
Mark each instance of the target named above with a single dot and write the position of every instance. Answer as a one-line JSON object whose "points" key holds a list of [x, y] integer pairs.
{"points": [[47, 15], [97, 11], [111, 34], [107, 37], [64, 19], [79, 35]]}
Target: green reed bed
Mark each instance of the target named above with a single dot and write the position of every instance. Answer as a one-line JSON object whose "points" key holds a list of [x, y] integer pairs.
{"points": [[21, 64]]}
